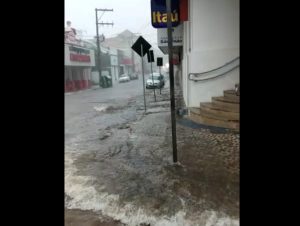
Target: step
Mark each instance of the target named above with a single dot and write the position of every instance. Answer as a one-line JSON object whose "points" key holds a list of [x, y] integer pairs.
{"points": [[213, 122], [223, 104], [226, 99], [208, 111], [209, 105], [195, 110], [231, 94]]}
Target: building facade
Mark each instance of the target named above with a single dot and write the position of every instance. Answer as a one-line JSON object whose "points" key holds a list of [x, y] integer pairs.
{"points": [[206, 47], [78, 62], [78, 67], [211, 40]]}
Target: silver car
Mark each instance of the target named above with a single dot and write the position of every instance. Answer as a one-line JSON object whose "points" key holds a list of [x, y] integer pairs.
{"points": [[124, 78]]}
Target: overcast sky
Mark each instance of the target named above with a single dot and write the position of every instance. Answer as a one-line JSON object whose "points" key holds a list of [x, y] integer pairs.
{"points": [[133, 15]]}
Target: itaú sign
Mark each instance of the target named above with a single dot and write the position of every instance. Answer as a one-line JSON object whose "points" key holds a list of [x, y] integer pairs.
{"points": [[159, 13]]}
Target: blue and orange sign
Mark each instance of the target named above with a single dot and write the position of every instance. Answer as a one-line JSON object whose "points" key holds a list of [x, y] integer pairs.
{"points": [[159, 13]]}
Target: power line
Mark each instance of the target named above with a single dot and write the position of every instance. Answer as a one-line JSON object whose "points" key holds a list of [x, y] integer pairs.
{"points": [[143, 27]]}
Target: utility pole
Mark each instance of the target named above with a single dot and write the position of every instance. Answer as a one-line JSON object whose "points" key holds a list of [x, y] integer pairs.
{"points": [[171, 73], [132, 55], [98, 42]]}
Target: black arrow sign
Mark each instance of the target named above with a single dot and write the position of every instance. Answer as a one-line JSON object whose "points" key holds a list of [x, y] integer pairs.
{"points": [[137, 46]]}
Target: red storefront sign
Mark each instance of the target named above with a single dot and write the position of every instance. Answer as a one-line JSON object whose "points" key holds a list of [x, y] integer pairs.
{"points": [[80, 58], [126, 61], [183, 10]]}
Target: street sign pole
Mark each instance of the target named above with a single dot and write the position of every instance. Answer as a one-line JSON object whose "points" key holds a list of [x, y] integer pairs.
{"points": [[159, 62], [141, 46], [171, 72], [159, 75], [153, 81], [142, 56]]}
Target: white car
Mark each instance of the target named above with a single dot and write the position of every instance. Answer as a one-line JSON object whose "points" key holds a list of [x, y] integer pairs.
{"points": [[157, 79], [124, 78]]}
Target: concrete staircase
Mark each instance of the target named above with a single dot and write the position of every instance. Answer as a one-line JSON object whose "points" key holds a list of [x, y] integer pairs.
{"points": [[223, 111]]}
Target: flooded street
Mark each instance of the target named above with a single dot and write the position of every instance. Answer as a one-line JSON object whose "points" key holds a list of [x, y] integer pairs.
{"points": [[119, 169]]}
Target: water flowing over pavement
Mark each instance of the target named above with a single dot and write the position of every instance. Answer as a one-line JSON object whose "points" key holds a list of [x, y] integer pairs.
{"points": [[119, 170]]}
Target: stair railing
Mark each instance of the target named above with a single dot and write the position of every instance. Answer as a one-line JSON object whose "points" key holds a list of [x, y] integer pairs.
{"points": [[229, 66]]}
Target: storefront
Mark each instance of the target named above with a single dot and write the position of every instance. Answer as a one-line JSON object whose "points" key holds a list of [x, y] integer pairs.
{"points": [[78, 66]]}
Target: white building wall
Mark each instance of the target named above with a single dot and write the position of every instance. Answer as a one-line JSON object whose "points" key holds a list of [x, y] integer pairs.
{"points": [[114, 65], [95, 77], [211, 39]]}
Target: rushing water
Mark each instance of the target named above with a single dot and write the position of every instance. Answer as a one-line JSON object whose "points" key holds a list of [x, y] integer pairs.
{"points": [[119, 161]]}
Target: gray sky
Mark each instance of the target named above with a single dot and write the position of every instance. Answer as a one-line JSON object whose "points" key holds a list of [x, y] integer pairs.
{"points": [[133, 15]]}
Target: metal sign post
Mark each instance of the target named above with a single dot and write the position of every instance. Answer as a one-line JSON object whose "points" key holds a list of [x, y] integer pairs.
{"points": [[159, 64], [171, 72], [159, 68], [151, 59], [153, 82], [141, 46], [142, 56]]}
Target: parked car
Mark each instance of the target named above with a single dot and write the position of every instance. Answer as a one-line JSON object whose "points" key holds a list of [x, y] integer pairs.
{"points": [[157, 81], [133, 76], [124, 78]]}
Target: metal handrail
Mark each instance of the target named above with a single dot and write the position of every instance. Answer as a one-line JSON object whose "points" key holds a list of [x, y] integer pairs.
{"points": [[215, 69]]}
